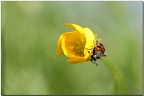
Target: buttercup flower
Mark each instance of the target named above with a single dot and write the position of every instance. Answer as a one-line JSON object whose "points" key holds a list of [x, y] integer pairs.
{"points": [[76, 45]]}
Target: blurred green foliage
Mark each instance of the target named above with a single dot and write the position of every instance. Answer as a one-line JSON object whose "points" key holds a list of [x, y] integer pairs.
{"points": [[30, 31]]}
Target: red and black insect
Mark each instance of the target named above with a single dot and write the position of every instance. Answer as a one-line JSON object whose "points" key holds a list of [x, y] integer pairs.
{"points": [[98, 52]]}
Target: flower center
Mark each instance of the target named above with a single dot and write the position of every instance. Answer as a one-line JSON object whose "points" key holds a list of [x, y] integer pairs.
{"points": [[79, 48]]}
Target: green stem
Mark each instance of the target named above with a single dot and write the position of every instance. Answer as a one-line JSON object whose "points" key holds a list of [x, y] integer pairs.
{"points": [[121, 87]]}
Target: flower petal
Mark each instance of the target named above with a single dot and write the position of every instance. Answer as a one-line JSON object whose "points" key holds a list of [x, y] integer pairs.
{"points": [[77, 27], [72, 42], [90, 40], [77, 59], [59, 50]]}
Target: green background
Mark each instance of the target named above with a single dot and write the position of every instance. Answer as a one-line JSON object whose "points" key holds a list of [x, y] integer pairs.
{"points": [[30, 31]]}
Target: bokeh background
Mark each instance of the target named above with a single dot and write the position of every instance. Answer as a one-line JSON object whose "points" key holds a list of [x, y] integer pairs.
{"points": [[30, 31]]}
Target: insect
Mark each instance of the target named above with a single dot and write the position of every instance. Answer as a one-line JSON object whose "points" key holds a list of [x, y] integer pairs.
{"points": [[98, 52]]}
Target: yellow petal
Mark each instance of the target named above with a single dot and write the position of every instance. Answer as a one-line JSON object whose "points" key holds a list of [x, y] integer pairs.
{"points": [[77, 27], [90, 40], [59, 50], [76, 59], [72, 42]]}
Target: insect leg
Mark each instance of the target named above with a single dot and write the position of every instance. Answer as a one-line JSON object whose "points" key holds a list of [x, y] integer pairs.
{"points": [[94, 62]]}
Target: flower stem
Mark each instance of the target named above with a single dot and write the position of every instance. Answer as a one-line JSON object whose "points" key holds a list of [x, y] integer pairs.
{"points": [[120, 85]]}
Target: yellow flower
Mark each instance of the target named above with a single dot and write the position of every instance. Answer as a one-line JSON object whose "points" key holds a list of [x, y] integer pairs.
{"points": [[76, 45]]}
